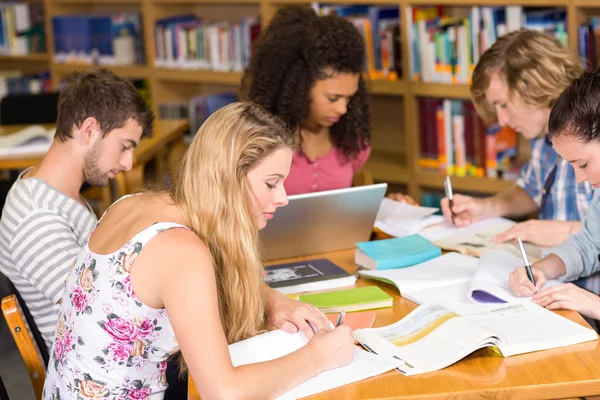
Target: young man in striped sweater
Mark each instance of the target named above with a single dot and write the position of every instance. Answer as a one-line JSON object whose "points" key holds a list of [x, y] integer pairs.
{"points": [[45, 221]]}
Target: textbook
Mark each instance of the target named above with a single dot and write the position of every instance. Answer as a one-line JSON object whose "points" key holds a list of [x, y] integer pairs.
{"points": [[432, 337], [33, 140], [355, 299], [395, 253], [478, 238], [277, 343], [310, 275]]}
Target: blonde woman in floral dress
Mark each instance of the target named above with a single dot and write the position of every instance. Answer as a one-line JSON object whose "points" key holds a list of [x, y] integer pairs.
{"points": [[181, 271]]}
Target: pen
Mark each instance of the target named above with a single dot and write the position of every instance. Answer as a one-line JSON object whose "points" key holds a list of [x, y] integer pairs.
{"points": [[340, 318], [449, 195], [526, 261]]}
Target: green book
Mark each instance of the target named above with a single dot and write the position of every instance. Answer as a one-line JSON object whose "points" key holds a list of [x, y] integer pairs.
{"points": [[355, 299]]}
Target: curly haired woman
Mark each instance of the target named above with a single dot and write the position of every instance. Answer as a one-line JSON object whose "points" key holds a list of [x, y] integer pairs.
{"points": [[307, 70]]}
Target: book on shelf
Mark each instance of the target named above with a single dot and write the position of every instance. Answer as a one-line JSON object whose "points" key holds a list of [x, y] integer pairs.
{"points": [[454, 140], [355, 299], [21, 28], [276, 344], [310, 275], [395, 253], [34, 140], [432, 337]]}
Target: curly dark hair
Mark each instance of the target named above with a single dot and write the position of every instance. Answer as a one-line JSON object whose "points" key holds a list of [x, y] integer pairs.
{"points": [[297, 49]]}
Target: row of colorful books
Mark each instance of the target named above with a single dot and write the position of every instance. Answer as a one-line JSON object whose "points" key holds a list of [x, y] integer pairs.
{"points": [[454, 140], [445, 49], [21, 28], [188, 42]]}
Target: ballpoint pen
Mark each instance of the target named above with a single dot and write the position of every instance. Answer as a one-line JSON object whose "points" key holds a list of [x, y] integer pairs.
{"points": [[340, 318], [449, 195], [526, 261]]}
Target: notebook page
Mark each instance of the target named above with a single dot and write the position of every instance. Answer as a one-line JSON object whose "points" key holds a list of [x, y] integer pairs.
{"points": [[447, 269], [490, 283], [276, 344], [526, 327]]}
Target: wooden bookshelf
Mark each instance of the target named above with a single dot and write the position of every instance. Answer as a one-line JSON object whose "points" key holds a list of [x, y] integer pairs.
{"points": [[397, 165], [33, 58]]}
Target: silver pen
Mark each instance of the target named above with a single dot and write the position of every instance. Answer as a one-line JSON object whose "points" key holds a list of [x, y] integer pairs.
{"points": [[526, 261], [340, 318]]}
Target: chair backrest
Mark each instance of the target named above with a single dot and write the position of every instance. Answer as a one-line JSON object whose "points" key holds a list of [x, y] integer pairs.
{"points": [[29, 108], [6, 289], [30, 352]]}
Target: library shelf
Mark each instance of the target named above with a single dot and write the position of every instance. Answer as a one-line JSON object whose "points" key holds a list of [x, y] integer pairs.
{"points": [[432, 179]]}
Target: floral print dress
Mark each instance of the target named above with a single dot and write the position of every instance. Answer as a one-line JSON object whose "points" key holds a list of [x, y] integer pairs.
{"points": [[109, 345]]}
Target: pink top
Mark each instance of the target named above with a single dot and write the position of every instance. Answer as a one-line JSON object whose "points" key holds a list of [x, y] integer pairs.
{"points": [[328, 172]]}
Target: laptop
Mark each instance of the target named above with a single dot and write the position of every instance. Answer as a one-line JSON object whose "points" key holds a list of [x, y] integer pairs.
{"points": [[323, 221]]}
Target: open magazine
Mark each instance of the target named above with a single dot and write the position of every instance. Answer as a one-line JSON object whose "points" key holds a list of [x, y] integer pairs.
{"points": [[433, 337], [34, 140]]}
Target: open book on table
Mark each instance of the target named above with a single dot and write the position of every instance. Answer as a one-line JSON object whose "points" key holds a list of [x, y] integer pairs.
{"points": [[456, 278], [400, 219], [34, 140], [432, 337], [491, 280], [478, 238], [276, 344]]}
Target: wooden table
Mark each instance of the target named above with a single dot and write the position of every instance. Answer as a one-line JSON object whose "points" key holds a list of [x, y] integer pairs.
{"points": [[167, 136], [567, 372]]}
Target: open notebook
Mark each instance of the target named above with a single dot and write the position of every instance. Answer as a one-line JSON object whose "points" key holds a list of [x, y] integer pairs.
{"points": [[433, 337], [490, 283], [477, 238], [457, 278], [276, 344]]}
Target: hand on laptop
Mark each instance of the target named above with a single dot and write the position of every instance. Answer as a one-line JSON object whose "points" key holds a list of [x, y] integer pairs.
{"points": [[292, 315]]}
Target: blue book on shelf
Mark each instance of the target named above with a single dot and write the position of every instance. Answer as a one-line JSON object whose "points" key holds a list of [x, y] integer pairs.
{"points": [[395, 253]]}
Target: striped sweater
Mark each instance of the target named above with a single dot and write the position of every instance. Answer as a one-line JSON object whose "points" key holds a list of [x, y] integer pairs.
{"points": [[41, 233]]}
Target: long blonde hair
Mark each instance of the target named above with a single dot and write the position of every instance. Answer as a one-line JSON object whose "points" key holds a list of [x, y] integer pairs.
{"points": [[535, 66], [212, 189]]}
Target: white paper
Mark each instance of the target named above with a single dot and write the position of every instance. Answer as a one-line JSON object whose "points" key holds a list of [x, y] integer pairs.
{"points": [[447, 269], [492, 278], [401, 219], [276, 344]]}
